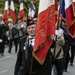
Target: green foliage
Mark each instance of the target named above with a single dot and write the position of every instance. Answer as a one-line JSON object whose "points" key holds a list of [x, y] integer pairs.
{"points": [[16, 4]]}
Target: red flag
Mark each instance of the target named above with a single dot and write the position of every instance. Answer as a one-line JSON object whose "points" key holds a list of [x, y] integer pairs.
{"points": [[45, 28], [12, 11], [5, 14], [70, 19], [21, 13]]}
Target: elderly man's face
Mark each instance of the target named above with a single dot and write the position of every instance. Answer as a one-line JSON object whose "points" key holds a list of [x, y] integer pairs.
{"points": [[31, 30]]}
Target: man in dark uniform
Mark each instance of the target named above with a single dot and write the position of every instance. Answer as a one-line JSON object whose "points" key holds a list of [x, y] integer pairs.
{"points": [[66, 46], [24, 64], [13, 35], [72, 44], [3, 34]]}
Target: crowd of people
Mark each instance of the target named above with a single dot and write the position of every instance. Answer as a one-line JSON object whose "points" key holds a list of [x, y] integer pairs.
{"points": [[60, 53], [10, 33]]}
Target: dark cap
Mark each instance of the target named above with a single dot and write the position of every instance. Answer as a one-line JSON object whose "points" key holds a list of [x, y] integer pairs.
{"points": [[30, 22], [63, 20], [36, 15]]}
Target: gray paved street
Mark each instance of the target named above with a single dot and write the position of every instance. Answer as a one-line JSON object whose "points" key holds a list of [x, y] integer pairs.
{"points": [[71, 70], [7, 63]]}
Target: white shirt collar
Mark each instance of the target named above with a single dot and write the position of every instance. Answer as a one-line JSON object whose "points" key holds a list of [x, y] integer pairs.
{"points": [[31, 41], [30, 37]]}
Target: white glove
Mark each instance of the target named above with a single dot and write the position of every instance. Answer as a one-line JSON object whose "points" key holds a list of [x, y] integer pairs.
{"points": [[57, 33], [1, 40]]}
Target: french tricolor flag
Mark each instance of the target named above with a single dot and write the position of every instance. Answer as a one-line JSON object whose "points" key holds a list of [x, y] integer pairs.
{"points": [[44, 30], [5, 14], [12, 11], [62, 9], [31, 10], [21, 12], [70, 19]]}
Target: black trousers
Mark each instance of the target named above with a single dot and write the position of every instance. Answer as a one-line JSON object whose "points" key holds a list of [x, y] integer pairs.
{"points": [[72, 54], [66, 59], [59, 66], [15, 43], [2, 47]]}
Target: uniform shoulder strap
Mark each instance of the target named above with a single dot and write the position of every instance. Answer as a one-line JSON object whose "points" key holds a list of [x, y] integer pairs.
{"points": [[26, 48]]}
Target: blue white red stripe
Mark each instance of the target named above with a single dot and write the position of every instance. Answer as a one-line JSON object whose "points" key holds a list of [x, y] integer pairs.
{"points": [[31, 10], [62, 8]]}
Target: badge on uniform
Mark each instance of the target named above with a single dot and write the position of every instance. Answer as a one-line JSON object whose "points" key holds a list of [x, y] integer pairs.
{"points": [[25, 45], [24, 48]]}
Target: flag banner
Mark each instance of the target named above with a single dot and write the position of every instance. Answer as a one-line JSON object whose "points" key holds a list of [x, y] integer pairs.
{"points": [[44, 30], [62, 9], [21, 12], [12, 11], [5, 14], [31, 10], [73, 5], [56, 10], [70, 19]]}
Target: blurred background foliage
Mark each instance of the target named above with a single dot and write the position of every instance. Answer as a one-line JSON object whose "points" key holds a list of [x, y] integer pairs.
{"points": [[17, 4]]}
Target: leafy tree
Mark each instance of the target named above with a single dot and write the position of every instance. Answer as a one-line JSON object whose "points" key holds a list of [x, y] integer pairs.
{"points": [[17, 4]]}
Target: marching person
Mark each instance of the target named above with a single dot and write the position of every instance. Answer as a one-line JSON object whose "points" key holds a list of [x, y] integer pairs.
{"points": [[3, 35], [13, 35], [1, 23], [72, 44], [66, 46], [22, 66], [21, 28], [57, 52]]}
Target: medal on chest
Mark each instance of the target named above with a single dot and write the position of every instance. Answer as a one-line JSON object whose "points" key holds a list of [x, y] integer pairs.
{"points": [[25, 45]]}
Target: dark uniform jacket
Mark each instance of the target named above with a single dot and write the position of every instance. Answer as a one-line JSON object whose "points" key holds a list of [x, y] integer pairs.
{"points": [[3, 37], [66, 37], [23, 62]]}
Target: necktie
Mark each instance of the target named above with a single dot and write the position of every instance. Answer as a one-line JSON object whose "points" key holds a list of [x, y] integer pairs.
{"points": [[30, 46]]}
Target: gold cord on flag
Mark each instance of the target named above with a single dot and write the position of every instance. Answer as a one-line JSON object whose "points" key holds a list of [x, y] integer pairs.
{"points": [[73, 6], [72, 23]]}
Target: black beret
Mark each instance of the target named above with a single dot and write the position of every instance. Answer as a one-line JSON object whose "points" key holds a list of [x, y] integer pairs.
{"points": [[63, 20], [30, 22], [35, 16]]}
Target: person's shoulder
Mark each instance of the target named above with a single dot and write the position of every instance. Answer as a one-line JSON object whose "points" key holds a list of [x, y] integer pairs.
{"points": [[23, 38]]}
